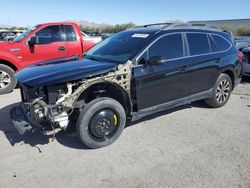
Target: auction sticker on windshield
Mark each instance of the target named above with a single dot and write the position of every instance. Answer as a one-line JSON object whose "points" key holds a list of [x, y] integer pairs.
{"points": [[140, 35]]}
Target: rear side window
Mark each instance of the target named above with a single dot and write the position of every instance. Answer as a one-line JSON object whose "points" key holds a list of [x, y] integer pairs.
{"points": [[169, 47], [221, 43], [70, 33], [213, 46], [49, 34], [198, 43]]}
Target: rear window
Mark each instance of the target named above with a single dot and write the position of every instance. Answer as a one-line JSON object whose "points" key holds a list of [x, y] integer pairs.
{"points": [[213, 46], [70, 33], [221, 43], [198, 43]]}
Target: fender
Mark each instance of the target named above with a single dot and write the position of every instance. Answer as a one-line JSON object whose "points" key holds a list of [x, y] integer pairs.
{"points": [[121, 77], [11, 58]]}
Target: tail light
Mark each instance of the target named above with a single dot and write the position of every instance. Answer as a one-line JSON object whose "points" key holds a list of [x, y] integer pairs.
{"points": [[240, 56]]}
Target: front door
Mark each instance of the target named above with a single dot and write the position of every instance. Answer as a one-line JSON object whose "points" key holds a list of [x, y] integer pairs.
{"points": [[165, 82], [50, 45]]}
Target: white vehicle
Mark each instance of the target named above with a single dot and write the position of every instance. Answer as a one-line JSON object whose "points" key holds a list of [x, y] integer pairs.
{"points": [[95, 39]]}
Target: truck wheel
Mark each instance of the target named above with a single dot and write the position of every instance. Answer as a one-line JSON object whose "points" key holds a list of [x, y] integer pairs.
{"points": [[101, 122], [7, 80], [221, 92]]}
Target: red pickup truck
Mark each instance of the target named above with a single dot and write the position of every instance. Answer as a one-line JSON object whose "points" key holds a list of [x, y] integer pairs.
{"points": [[41, 43]]}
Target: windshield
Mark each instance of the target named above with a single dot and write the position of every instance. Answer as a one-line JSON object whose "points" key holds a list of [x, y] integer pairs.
{"points": [[119, 47], [20, 37]]}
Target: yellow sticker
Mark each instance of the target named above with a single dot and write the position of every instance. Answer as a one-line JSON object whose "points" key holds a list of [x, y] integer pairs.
{"points": [[115, 119]]}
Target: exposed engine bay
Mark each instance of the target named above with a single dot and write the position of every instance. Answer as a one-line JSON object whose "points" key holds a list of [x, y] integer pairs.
{"points": [[52, 107]]}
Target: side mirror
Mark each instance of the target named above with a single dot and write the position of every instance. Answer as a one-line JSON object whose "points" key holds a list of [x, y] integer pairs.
{"points": [[154, 60], [33, 40]]}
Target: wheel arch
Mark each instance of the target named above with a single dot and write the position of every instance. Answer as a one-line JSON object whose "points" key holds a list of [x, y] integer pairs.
{"points": [[230, 73], [8, 63], [108, 89]]}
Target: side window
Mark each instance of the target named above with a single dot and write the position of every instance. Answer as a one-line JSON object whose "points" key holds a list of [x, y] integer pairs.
{"points": [[221, 43], [213, 46], [70, 33], [169, 47], [49, 34], [198, 43]]}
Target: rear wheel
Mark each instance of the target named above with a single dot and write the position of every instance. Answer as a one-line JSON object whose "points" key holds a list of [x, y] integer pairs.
{"points": [[7, 80], [221, 91], [101, 122]]}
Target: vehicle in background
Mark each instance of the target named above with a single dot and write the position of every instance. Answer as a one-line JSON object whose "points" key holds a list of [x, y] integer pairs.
{"points": [[42, 42], [1, 36], [106, 35], [93, 33], [246, 61], [243, 45], [242, 42], [129, 75], [95, 39], [9, 35]]}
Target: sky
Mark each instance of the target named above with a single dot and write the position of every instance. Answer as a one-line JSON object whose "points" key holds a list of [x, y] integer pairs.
{"points": [[32, 12]]}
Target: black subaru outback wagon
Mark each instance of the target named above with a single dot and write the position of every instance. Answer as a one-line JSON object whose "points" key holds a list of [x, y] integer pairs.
{"points": [[132, 74]]}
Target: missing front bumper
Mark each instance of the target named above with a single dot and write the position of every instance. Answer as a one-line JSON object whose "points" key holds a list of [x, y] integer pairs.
{"points": [[20, 120]]}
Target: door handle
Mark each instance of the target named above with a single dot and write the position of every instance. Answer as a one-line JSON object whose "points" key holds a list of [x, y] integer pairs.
{"points": [[61, 49], [184, 68]]}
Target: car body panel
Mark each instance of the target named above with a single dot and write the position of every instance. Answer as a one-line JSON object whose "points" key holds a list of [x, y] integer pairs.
{"points": [[56, 72], [203, 72], [246, 61], [186, 76], [153, 83]]}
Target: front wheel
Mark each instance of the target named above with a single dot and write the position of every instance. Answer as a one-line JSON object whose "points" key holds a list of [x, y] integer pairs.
{"points": [[7, 80], [221, 91], [101, 122]]}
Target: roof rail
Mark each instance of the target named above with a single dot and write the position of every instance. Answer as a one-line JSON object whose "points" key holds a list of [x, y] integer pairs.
{"points": [[205, 26], [164, 25], [180, 25]]}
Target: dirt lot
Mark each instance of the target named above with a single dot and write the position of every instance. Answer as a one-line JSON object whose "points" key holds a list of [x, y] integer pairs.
{"points": [[190, 146]]}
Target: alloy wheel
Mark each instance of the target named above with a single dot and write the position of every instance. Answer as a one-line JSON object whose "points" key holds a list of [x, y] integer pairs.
{"points": [[223, 91], [5, 79]]}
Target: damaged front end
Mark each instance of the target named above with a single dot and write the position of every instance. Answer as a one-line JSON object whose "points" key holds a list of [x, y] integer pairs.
{"points": [[39, 110], [50, 108]]}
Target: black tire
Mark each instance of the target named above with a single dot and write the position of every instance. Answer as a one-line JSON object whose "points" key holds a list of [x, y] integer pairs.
{"points": [[220, 92], [91, 125], [7, 73]]}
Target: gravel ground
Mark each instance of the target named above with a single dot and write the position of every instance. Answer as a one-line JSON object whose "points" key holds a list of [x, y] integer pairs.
{"points": [[190, 146]]}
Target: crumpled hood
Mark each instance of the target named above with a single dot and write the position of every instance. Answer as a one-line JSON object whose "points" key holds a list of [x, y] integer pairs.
{"points": [[56, 72]]}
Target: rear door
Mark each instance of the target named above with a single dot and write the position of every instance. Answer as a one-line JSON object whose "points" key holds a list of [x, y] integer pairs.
{"points": [[204, 62], [165, 82], [50, 45]]}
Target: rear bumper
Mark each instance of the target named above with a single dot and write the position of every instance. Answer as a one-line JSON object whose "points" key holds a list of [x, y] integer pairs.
{"points": [[246, 69], [246, 74], [20, 120]]}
